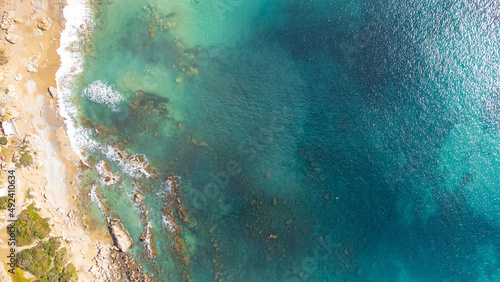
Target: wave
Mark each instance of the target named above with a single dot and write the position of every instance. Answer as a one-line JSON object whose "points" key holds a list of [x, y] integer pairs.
{"points": [[168, 224], [78, 16], [95, 199], [101, 93]]}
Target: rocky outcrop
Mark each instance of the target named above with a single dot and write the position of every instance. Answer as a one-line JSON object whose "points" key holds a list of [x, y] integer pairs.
{"points": [[120, 235], [7, 18], [104, 268], [107, 176], [113, 265], [139, 198]]}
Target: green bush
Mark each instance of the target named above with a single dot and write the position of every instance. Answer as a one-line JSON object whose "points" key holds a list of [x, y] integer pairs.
{"points": [[35, 261], [69, 273], [50, 276], [51, 246], [58, 263], [60, 259], [26, 159], [40, 259], [3, 140], [30, 226], [4, 202]]}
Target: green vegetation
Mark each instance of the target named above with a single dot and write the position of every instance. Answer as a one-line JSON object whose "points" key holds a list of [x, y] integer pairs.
{"points": [[47, 259], [51, 246], [68, 273], [30, 226], [27, 196], [4, 202], [3, 140], [26, 159], [60, 259], [35, 260], [3, 58], [40, 259]]}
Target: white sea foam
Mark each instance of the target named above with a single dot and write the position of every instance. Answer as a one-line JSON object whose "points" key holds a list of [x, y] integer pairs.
{"points": [[167, 223], [101, 93], [107, 177], [147, 242], [95, 199], [129, 165], [76, 13]]}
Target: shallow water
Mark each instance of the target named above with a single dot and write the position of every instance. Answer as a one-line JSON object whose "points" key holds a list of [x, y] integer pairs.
{"points": [[363, 135]]}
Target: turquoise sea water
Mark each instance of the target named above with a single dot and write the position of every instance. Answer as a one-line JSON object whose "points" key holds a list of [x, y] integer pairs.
{"points": [[363, 134]]}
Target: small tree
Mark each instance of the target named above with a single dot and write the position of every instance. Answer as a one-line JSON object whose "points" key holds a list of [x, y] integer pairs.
{"points": [[26, 159], [3, 140]]}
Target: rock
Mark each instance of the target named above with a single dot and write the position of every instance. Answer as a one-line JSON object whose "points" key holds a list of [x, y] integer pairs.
{"points": [[2, 112], [43, 24], [152, 31], [18, 77], [31, 67], [52, 92], [272, 236], [35, 58], [120, 235], [139, 197], [202, 144], [7, 18], [18, 21], [11, 38]]}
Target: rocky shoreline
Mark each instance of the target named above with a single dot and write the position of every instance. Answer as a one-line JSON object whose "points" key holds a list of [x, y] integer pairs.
{"points": [[111, 264], [39, 149]]}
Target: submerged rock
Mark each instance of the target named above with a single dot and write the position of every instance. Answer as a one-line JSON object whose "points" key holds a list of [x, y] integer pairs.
{"points": [[152, 31], [139, 197], [120, 235]]}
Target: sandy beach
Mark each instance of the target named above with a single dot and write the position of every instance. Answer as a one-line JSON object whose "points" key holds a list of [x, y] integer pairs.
{"points": [[50, 183]]}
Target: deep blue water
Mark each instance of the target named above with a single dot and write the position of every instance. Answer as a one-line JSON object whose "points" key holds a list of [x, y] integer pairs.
{"points": [[372, 125]]}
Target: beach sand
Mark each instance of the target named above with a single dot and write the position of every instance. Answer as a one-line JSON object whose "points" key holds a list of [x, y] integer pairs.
{"points": [[52, 186]]}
